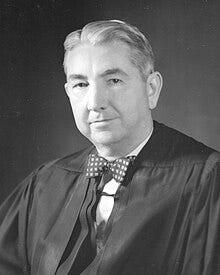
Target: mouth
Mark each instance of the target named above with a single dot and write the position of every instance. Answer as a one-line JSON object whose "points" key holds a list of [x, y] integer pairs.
{"points": [[101, 122]]}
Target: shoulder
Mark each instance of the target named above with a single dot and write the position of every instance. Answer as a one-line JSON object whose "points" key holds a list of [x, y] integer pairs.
{"points": [[174, 160], [188, 157], [55, 173], [74, 162], [170, 146]]}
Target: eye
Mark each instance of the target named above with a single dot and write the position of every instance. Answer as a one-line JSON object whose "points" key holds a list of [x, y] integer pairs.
{"points": [[80, 85], [114, 81]]}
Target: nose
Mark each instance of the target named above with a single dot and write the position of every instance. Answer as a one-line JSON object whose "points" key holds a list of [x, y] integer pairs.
{"points": [[97, 98]]}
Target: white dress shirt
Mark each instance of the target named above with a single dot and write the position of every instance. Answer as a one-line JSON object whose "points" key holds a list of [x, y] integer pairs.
{"points": [[106, 203]]}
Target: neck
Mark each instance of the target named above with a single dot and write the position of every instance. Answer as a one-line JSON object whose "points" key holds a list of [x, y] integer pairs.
{"points": [[117, 150]]}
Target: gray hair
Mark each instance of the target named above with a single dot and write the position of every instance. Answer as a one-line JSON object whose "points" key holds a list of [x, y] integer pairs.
{"points": [[107, 31]]}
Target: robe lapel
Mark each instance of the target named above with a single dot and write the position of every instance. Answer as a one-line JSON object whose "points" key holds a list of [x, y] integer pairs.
{"points": [[71, 261], [53, 246]]}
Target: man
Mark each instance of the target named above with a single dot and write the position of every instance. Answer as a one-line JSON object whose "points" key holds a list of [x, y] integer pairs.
{"points": [[152, 207]]}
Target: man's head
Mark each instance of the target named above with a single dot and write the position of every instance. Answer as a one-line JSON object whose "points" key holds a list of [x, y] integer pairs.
{"points": [[111, 84]]}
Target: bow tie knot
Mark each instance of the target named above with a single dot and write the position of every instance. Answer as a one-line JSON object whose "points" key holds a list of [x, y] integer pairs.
{"points": [[98, 165]]}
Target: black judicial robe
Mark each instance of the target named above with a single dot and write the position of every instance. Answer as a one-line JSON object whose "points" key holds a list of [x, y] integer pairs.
{"points": [[166, 217]]}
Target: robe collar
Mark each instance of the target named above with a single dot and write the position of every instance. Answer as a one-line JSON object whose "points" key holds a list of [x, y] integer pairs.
{"points": [[166, 146]]}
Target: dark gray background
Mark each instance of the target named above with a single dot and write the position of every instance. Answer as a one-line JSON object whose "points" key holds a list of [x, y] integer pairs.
{"points": [[36, 123]]}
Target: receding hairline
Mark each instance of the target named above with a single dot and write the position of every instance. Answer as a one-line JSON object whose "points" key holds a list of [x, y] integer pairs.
{"points": [[110, 45], [108, 31]]}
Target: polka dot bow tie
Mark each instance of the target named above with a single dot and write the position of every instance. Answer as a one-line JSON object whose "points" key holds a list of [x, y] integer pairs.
{"points": [[98, 166]]}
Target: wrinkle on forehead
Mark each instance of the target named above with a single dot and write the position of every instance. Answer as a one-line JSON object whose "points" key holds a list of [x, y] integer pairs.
{"points": [[103, 61], [108, 72]]}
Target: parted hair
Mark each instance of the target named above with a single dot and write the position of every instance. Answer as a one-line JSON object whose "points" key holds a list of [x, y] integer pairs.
{"points": [[108, 31]]}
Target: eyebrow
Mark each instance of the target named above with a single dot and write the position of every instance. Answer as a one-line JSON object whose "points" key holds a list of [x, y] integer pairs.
{"points": [[77, 76], [105, 73], [113, 71]]}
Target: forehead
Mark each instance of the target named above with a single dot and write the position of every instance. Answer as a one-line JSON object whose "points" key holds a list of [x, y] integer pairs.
{"points": [[87, 58]]}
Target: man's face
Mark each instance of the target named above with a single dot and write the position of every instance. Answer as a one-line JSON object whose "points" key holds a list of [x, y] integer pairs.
{"points": [[109, 99]]}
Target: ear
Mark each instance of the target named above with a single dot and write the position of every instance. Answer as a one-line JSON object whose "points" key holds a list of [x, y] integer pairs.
{"points": [[66, 88], [154, 86]]}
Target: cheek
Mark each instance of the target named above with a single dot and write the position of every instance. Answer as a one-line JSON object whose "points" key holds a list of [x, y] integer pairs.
{"points": [[129, 105], [79, 113], [135, 110]]}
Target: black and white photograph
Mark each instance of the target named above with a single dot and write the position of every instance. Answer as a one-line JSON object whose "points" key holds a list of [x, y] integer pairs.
{"points": [[109, 137]]}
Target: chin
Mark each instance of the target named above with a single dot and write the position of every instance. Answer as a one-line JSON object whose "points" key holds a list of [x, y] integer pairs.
{"points": [[105, 138]]}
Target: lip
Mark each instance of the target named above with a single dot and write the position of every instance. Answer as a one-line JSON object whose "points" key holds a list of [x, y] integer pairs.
{"points": [[101, 122]]}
